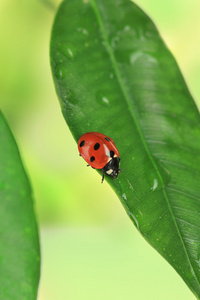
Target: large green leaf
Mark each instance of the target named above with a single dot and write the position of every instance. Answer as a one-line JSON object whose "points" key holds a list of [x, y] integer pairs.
{"points": [[113, 74], [19, 242]]}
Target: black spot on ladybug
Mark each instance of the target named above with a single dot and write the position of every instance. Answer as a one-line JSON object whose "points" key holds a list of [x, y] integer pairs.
{"points": [[92, 158], [82, 143], [96, 146], [107, 139], [112, 153]]}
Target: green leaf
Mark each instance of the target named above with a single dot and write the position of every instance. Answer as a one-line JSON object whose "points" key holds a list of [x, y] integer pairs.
{"points": [[19, 242], [113, 74]]}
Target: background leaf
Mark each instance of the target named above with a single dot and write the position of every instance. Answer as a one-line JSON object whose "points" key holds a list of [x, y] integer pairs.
{"points": [[113, 74], [19, 242]]}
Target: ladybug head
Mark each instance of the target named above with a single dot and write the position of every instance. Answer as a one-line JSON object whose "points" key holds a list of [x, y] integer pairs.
{"points": [[112, 167]]}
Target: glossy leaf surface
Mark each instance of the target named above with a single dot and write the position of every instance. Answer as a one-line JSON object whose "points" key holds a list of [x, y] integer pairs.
{"points": [[19, 242], [113, 74]]}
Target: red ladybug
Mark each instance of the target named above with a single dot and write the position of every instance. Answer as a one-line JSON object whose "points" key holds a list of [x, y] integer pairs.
{"points": [[100, 152]]}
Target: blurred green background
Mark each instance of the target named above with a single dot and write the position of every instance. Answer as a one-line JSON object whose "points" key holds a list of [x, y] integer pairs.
{"points": [[90, 249]]}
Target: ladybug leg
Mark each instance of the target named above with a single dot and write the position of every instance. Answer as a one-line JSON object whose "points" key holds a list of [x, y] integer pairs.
{"points": [[102, 176], [79, 154], [90, 166]]}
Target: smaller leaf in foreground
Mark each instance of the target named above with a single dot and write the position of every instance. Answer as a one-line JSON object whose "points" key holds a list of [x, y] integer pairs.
{"points": [[19, 241]]}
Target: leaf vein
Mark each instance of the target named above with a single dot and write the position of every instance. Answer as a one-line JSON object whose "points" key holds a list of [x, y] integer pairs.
{"points": [[126, 96]]}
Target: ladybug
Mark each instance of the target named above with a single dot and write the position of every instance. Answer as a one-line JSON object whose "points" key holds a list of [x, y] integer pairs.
{"points": [[100, 152]]}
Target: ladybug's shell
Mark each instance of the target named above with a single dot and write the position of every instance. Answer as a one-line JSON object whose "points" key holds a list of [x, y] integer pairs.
{"points": [[101, 156]]}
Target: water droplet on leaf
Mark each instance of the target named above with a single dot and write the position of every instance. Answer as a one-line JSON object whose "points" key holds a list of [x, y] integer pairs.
{"points": [[134, 219], [68, 50], [83, 30], [102, 98], [155, 184], [124, 196], [60, 71], [159, 177], [127, 28]]}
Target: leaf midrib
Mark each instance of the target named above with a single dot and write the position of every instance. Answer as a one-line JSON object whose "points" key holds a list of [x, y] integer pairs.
{"points": [[126, 96]]}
